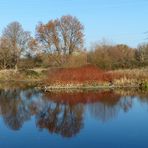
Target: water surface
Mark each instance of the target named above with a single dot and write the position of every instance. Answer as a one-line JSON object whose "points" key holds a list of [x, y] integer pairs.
{"points": [[31, 118]]}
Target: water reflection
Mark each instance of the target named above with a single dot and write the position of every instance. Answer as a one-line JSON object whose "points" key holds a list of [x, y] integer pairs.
{"points": [[62, 113], [61, 119], [105, 111]]}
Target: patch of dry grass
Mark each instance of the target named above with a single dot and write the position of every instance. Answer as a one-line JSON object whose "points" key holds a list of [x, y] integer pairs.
{"points": [[22, 75], [130, 76]]}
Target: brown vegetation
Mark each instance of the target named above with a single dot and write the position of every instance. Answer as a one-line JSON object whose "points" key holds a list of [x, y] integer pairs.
{"points": [[60, 37], [130, 77], [60, 43], [25, 75], [92, 77], [14, 42], [84, 74], [107, 56], [111, 56]]}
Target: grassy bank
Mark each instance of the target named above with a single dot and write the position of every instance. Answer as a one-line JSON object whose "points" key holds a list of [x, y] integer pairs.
{"points": [[130, 77], [24, 75], [86, 77], [91, 77]]}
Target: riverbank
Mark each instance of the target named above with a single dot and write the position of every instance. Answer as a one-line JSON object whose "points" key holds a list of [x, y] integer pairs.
{"points": [[91, 77], [23, 75], [85, 78], [78, 87]]}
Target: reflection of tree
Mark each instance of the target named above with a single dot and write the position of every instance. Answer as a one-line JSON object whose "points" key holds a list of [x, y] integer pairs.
{"points": [[109, 110], [83, 97], [61, 113], [126, 103], [106, 108], [103, 111], [61, 119], [143, 98], [18, 106], [13, 110], [15, 106], [104, 105]]}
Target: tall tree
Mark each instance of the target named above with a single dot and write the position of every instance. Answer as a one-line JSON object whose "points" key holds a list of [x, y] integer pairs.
{"points": [[5, 54], [61, 36], [142, 54], [72, 33], [17, 39]]}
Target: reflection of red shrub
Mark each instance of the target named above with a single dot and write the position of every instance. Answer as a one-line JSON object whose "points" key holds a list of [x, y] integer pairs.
{"points": [[106, 97], [78, 75]]}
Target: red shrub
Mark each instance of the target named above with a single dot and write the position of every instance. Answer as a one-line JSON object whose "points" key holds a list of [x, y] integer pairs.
{"points": [[78, 75]]}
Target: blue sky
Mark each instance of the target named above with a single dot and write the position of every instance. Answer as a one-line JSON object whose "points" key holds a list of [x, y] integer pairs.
{"points": [[118, 21]]}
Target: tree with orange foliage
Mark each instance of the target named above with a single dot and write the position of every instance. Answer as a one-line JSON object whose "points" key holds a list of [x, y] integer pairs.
{"points": [[112, 56], [60, 37]]}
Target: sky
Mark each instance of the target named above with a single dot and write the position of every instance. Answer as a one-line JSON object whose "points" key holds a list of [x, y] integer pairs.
{"points": [[117, 21]]}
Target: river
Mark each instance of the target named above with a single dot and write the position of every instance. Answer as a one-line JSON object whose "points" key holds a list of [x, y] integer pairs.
{"points": [[85, 119]]}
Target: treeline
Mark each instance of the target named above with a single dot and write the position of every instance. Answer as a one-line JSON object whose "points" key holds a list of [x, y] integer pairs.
{"points": [[60, 42], [56, 41], [118, 56]]}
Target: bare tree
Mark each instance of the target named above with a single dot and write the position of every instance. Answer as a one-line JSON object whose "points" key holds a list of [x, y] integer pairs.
{"points": [[17, 39], [111, 56], [5, 54], [60, 37], [142, 54], [72, 33]]}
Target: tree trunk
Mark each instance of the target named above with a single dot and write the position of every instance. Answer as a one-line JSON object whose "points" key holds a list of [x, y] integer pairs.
{"points": [[4, 66], [16, 67]]}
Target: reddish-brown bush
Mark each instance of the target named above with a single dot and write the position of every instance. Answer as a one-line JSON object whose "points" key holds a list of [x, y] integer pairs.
{"points": [[83, 74]]}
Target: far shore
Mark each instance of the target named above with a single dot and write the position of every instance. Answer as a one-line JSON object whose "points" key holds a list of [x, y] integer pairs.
{"points": [[38, 84], [89, 87], [40, 79]]}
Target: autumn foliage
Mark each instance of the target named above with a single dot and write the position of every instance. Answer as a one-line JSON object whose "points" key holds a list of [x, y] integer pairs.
{"points": [[82, 74]]}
